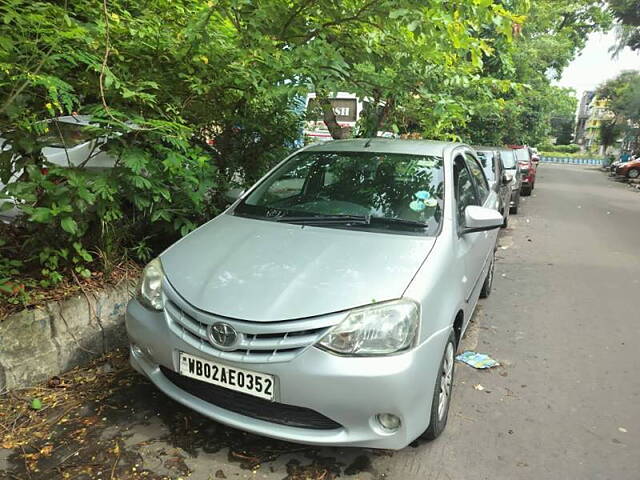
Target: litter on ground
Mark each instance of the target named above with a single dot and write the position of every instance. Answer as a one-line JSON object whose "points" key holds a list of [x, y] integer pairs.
{"points": [[477, 360]]}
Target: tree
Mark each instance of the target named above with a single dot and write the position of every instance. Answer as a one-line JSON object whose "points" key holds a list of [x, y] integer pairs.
{"points": [[623, 96], [627, 13]]}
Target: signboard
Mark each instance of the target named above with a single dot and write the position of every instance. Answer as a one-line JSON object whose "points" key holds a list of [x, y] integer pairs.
{"points": [[346, 109]]}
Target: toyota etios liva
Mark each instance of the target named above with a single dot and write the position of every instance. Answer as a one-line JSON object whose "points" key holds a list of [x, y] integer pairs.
{"points": [[325, 305]]}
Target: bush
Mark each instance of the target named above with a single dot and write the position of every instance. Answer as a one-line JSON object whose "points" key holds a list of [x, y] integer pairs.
{"points": [[573, 148], [570, 155]]}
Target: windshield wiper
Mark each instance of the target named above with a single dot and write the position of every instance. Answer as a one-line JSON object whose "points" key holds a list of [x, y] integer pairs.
{"points": [[322, 219], [397, 221], [351, 220]]}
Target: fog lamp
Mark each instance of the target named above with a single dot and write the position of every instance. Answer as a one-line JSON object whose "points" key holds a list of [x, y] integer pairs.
{"points": [[388, 421]]}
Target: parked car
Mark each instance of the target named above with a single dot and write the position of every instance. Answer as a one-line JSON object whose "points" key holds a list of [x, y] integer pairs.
{"points": [[68, 142], [325, 305], [512, 167], [630, 169], [527, 168], [499, 180]]}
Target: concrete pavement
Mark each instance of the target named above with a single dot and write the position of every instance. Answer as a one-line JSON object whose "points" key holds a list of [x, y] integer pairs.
{"points": [[563, 319]]}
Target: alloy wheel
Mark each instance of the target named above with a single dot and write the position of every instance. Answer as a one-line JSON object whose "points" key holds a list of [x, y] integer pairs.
{"points": [[634, 173], [446, 378]]}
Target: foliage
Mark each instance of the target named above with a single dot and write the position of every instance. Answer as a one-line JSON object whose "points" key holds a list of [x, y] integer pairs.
{"points": [[623, 99], [570, 155], [627, 13], [193, 97]]}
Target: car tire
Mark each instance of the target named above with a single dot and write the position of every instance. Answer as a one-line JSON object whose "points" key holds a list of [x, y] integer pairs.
{"points": [[488, 281], [633, 173], [526, 191], [505, 223], [513, 210], [442, 392]]}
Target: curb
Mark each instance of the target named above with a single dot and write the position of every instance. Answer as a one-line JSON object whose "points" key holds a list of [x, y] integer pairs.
{"points": [[58, 336]]}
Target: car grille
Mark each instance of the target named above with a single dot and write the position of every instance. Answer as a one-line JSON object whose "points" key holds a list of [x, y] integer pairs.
{"points": [[251, 406], [258, 342]]}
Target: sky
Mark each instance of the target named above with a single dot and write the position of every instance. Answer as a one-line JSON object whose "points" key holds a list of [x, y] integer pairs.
{"points": [[595, 65]]}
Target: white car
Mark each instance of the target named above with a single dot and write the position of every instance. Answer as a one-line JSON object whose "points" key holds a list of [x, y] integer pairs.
{"points": [[68, 143]]}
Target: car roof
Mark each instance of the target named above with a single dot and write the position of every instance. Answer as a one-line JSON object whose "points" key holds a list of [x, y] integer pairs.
{"points": [[483, 148], [386, 145]]}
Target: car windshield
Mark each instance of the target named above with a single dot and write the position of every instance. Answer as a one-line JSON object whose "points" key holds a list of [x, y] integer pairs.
{"points": [[488, 164], [65, 135], [388, 191], [508, 159], [522, 154]]}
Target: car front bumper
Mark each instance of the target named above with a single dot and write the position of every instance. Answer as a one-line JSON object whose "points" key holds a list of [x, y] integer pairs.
{"points": [[350, 391]]}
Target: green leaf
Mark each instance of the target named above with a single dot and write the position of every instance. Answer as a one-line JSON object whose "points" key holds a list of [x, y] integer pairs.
{"points": [[36, 404], [69, 225]]}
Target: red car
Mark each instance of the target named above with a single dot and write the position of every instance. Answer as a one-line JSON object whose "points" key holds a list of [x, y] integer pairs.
{"points": [[629, 169], [527, 167]]}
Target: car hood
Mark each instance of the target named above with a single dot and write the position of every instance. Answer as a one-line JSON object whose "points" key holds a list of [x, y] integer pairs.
{"points": [[267, 271]]}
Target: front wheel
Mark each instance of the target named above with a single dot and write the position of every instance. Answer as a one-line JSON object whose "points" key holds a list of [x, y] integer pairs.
{"points": [[633, 173], [442, 392]]}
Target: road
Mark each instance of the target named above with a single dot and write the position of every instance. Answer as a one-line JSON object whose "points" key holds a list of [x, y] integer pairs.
{"points": [[562, 319]]}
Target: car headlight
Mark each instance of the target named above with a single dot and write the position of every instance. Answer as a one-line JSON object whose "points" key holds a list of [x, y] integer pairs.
{"points": [[379, 329], [150, 287]]}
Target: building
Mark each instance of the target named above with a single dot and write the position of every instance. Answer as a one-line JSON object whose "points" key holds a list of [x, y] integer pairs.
{"points": [[583, 116], [598, 111]]}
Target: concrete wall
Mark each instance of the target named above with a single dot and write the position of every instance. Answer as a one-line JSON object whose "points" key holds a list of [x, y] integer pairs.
{"points": [[51, 339]]}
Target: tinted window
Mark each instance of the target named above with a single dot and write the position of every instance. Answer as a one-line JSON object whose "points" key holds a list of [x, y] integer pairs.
{"points": [[478, 177], [368, 184], [464, 189], [508, 159]]}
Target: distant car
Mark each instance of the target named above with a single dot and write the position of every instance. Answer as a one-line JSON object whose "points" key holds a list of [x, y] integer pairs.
{"points": [[67, 143], [630, 169], [527, 168], [500, 180], [511, 166], [613, 166]]}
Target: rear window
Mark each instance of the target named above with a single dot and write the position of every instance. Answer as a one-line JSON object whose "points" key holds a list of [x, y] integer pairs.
{"points": [[508, 159], [522, 154]]}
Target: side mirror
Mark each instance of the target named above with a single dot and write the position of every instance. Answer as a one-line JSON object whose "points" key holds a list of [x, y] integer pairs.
{"points": [[233, 194], [481, 219]]}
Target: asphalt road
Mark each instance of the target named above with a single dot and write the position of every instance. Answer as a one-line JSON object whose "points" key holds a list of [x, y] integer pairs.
{"points": [[563, 320]]}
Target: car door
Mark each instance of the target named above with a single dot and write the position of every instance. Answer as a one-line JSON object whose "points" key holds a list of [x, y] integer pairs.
{"points": [[481, 243], [468, 245]]}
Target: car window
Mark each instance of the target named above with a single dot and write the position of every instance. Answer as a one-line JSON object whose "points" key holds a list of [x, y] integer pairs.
{"points": [[487, 160], [478, 177], [508, 159], [522, 154], [465, 190], [373, 185]]}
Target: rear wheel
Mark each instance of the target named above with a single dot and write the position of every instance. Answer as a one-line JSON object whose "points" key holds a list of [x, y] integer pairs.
{"points": [[526, 191], [442, 392], [505, 223], [633, 173], [488, 281]]}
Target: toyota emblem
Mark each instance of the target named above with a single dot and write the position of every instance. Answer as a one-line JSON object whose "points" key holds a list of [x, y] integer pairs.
{"points": [[222, 334]]}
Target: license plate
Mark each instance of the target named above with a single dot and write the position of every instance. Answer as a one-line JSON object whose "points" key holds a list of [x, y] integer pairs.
{"points": [[238, 379]]}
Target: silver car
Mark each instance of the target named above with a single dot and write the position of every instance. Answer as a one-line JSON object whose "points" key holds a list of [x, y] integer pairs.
{"points": [[325, 305]]}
